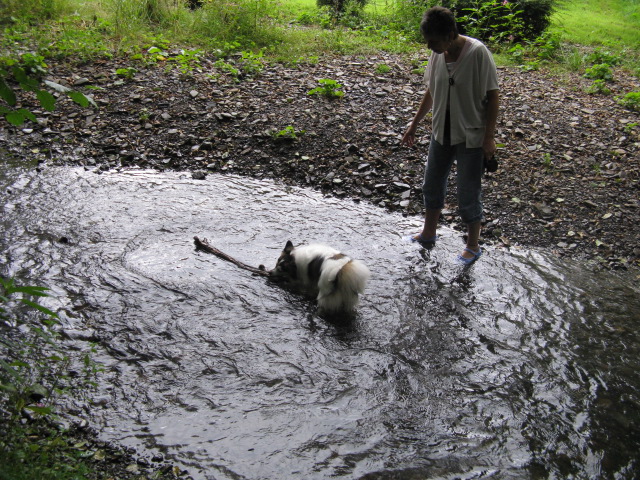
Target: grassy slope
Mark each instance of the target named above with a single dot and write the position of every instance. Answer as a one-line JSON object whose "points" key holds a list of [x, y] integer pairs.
{"points": [[610, 23]]}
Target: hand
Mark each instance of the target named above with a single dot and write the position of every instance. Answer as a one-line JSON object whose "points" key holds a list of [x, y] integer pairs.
{"points": [[489, 148], [409, 137]]}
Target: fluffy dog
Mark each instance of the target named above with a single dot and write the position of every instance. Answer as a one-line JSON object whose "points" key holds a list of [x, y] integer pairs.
{"points": [[332, 277]]}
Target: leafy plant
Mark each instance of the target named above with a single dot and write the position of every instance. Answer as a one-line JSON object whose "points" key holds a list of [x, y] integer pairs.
{"points": [[26, 73], [328, 88], [31, 370], [517, 52], [491, 20], [419, 68], [322, 17], [602, 56], [599, 86], [34, 374], [144, 115], [252, 63], [631, 101], [187, 60], [228, 68], [530, 66], [288, 133], [547, 45], [153, 55], [341, 6], [600, 71], [80, 42], [127, 72], [382, 68]]}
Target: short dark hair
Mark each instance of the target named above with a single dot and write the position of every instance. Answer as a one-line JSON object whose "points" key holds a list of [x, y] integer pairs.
{"points": [[438, 22]]}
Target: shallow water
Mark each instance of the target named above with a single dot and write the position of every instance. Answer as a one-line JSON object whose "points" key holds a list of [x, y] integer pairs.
{"points": [[522, 366]]}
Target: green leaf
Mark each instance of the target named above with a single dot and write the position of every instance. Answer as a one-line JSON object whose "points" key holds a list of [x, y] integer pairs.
{"points": [[47, 101], [6, 93], [27, 114], [18, 363], [19, 74], [10, 370], [26, 82], [81, 99], [39, 410], [31, 290], [7, 387], [15, 118], [39, 307]]}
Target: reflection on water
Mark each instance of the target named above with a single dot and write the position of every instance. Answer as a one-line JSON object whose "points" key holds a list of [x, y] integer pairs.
{"points": [[523, 366]]}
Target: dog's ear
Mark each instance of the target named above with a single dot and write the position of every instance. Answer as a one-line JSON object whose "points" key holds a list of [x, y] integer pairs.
{"points": [[288, 248]]}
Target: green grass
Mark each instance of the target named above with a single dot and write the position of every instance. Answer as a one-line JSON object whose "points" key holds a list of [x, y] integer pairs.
{"points": [[294, 29], [611, 23]]}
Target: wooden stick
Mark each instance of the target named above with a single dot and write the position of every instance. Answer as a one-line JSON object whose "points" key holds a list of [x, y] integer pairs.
{"points": [[207, 247]]}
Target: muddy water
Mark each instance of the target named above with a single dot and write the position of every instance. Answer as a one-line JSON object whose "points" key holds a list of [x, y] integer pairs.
{"points": [[523, 366]]}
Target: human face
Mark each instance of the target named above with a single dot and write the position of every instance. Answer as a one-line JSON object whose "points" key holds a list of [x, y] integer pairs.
{"points": [[440, 44]]}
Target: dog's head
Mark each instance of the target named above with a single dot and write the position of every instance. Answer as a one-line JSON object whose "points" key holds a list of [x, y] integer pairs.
{"points": [[285, 266]]}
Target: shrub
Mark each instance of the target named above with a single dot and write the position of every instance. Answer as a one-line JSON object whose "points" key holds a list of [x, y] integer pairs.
{"points": [[488, 20], [601, 71], [342, 6], [547, 46], [631, 101], [535, 16], [603, 56], [599, 86], [328, 87]]}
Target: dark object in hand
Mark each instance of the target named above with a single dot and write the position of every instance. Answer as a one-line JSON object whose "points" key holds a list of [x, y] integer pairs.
{"points": [[491, 165]]}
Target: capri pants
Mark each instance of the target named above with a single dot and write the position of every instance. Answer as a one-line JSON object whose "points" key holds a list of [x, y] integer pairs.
{"points": [[470, 166]]}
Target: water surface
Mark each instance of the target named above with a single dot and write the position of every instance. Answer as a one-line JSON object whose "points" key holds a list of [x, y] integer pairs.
{"points": [[522, 366]]}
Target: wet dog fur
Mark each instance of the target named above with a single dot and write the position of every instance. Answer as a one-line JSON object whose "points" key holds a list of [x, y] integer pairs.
{"points": [[334, 279]]}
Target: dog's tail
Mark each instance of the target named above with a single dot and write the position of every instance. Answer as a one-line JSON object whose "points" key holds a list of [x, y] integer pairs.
{"points": [[353, 277]]}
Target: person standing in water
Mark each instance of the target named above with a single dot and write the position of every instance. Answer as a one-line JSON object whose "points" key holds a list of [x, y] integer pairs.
{"points": [[462, 89]]}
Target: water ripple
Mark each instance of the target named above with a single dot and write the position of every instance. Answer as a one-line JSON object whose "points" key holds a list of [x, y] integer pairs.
{"points": [[523, 366]]}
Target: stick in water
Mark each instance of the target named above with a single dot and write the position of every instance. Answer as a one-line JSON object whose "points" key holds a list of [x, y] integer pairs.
{"points": [[207, 247]]}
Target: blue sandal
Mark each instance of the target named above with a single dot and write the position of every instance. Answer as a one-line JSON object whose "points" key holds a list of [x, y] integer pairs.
{"points": [[469, 261]]}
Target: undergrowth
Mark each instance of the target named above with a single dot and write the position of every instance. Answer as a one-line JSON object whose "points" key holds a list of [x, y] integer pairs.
{"points": [[36, 373]]}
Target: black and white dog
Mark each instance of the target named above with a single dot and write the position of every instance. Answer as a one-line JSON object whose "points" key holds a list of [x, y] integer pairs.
{"points": [[332, 277]]}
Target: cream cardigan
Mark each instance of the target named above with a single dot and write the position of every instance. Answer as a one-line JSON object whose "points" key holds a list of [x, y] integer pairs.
{"points": [[473, 75]]}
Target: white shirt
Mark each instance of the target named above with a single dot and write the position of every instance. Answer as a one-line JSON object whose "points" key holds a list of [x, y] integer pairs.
{"points": [[473, 75]]}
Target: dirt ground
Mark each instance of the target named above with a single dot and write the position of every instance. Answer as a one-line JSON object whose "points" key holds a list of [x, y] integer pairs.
{"points": [[569, 168]]}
